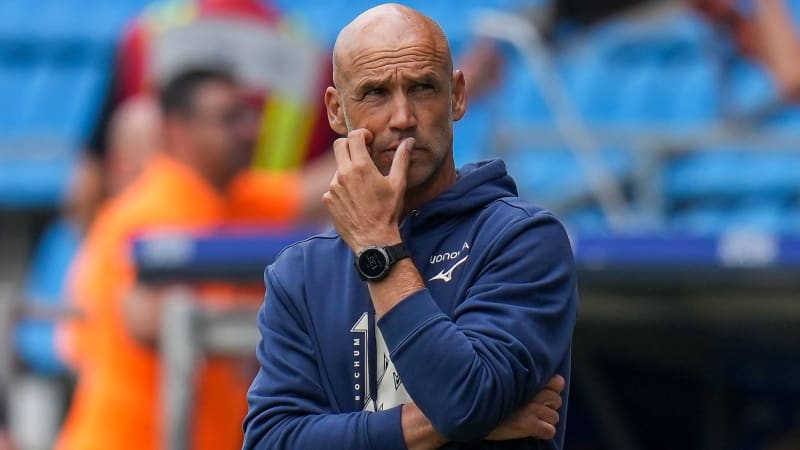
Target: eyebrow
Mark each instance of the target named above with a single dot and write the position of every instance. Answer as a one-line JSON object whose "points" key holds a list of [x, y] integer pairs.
{"points": [[371, 83], [428, 76]]}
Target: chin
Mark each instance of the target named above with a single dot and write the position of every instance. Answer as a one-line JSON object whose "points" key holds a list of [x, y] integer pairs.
{"points": [[418, 175]]}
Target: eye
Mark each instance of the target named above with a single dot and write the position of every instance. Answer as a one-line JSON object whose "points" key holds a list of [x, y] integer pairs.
{"points": [[423, 87], [373, 92]]}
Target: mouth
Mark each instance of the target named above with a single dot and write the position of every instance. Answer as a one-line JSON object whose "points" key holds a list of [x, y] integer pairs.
{"points": [[393, 149]]}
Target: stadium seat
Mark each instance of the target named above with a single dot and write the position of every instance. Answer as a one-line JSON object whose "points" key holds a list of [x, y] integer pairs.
{"points": [[549, 175], [58, 106], [729, 173], [519, 98], [749, 89], [757, 213], [14, 80], [54, 71], [40, 178], [35, 339]]}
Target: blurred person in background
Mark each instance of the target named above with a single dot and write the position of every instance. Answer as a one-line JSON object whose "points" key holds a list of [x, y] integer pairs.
{"points": [[135, 132], [483, 62], [42, 346], [199, 180], [762, 30], [282, 71]]}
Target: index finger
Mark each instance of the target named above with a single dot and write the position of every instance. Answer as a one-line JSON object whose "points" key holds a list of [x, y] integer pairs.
{"points": [[358, 141], [342, 154], [556, 383]]}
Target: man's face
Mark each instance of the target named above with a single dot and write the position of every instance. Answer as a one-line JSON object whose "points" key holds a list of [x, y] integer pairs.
{"points": [[400, 90], [221, 130]]}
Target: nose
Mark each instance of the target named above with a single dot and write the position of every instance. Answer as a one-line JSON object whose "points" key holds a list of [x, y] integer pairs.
{"points": [[403, 116]]}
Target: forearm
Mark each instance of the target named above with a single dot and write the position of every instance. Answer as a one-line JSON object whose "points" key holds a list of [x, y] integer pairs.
{"points": [[780, 44], [403, 280], [343, 431], [142, 311]]}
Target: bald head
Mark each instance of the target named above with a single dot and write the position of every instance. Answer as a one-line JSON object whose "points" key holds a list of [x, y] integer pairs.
{"points": [[394, 78], [135, 134], [385, 28]]}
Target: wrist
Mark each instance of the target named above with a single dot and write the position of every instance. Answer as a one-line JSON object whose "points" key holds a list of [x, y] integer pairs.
{"points": [[374, 263], [403, 281], [418, 432], [379, 239]]}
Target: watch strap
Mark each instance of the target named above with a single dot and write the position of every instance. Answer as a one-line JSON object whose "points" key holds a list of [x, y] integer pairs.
{"points": [[397, 252]]}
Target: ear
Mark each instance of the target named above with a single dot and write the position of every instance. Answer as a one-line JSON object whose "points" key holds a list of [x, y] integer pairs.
{"points": [[335, 111], [459, 101]]}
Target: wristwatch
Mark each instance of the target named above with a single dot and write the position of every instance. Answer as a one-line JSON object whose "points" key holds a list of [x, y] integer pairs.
{"points": [[374, 262]]}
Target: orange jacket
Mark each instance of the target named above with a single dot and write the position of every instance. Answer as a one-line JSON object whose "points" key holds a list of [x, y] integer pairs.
{"points": [[117, 401]]}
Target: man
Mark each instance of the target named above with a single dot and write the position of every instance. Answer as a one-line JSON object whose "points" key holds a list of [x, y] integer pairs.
{"points": [[449, 346], [199, 180]]}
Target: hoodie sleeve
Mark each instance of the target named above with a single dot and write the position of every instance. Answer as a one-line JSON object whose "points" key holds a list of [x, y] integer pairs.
{"points": [[505, 340], [288, 407]]}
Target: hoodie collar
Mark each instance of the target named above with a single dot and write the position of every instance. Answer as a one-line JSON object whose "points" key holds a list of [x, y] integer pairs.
{"points": [[478, 184]]}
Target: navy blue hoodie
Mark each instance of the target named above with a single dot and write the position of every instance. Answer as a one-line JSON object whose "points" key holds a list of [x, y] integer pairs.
{"points": [[493, 325]]}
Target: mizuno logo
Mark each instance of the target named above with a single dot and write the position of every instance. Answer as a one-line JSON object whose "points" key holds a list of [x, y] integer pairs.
{"points": [[435, 259], [447, 275]]}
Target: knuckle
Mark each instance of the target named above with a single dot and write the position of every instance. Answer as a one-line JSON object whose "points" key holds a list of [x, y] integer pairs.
{"points": [[359, 166], [359, 132]]}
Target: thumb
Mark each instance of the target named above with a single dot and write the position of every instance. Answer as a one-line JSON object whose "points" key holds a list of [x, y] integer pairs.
{"points": [[402, 158]]}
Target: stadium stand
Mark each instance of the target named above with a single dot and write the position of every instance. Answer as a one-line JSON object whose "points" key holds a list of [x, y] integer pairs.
{"points": [[53, 62]]}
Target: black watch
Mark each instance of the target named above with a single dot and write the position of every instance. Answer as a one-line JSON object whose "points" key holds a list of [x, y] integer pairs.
{"points": [[374, 262]]}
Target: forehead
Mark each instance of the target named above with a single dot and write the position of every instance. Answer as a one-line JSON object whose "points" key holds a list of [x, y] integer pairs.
{"points": [[381, 44], [376, 62], [214, 92]]}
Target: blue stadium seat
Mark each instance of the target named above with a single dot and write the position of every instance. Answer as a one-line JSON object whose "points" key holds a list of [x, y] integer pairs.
{"points": [[547, 175], [45, 286], [14, 81], [786, 120], [66, 99], [35, 173], [518, 97], [16, 21], [681, 34], [593, 85], [728, 173], [55, 108], [55, 69], [759, 213], [697, 98], [749, 89], [472, 138]]}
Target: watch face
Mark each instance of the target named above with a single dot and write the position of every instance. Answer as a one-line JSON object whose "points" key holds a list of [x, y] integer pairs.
{"points": [[372, 263]]}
